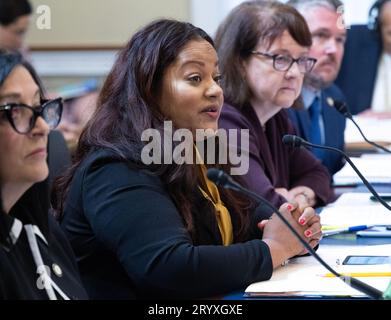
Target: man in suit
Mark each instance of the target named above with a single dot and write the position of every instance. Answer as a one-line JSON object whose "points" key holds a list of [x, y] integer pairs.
{"points": [[368, 52], [317, 120]]}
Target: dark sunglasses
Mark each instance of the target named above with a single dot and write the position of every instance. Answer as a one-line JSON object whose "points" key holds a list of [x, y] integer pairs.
{"points": [[23, 117]]}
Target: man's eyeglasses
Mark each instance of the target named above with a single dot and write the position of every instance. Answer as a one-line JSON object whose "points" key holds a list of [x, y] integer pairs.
{"points": [[283, 62], [23, 117]]}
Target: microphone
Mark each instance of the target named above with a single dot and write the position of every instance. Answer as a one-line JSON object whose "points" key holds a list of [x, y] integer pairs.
{"points": [[295, 141], [222, 179], [343, 108]]}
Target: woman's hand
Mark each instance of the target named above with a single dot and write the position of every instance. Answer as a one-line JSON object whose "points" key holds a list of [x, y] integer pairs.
{"points": [[304, 196], [313, 228], [283, 192], [282, 242]]}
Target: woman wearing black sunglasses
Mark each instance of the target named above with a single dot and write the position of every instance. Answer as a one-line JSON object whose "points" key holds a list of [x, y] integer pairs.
{"points": [[36, 261]]}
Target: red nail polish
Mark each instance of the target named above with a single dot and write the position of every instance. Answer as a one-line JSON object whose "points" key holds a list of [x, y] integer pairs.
{"points": [[308, 233], [289, 207], [302, 221]]}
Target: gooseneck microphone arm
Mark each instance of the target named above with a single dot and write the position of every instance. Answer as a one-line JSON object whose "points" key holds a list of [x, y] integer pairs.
{"points": [[295, 141], [369, 141], [222, 179], [344, 110]]}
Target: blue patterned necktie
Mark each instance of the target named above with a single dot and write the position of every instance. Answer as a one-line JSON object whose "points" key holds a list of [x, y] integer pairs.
{"points": [[315, 133]]}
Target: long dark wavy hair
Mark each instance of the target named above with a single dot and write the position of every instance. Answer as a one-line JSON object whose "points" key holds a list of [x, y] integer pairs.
{"points": [[128, 105], [241, 31]]}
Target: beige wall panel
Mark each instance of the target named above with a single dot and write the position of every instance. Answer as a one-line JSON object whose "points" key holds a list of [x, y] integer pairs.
{"points": [[89, 23]]}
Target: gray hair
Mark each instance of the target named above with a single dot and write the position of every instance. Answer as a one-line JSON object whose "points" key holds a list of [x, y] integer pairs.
{"points": [[304, 5]]}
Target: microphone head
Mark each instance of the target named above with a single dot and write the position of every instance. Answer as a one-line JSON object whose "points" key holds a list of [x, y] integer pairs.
{"points": [[292, 141], [217, 176], [342, 108]]}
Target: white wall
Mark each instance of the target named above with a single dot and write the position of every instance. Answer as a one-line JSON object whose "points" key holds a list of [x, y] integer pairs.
{"points": [[356, 11], [208, 14]]}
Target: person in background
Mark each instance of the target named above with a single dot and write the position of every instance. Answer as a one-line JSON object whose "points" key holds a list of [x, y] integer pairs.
{"points": [[317, 120], [36, 261], [14, 22], [365, 72], [263, 47], [76, 115], [160, 229], [15, 16]]}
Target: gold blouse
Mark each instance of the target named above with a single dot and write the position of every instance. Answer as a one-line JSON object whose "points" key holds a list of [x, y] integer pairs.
{"points": [[212, 194]]}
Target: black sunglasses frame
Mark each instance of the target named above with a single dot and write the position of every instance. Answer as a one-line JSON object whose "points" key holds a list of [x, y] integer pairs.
{"points": [[37, 112]]}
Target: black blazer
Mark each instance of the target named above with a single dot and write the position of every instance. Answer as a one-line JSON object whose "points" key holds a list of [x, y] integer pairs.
{"points": [[334, 128], [130, 241], [359, 67], [18, 272], [59, 156]]}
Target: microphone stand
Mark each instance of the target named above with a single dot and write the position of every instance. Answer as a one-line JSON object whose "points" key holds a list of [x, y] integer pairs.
{"points": [[221, 178], [295, 141], [344, 110]]}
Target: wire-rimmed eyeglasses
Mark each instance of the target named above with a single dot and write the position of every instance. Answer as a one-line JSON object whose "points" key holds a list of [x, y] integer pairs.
{"points": [[23, 117], [284, 62]]}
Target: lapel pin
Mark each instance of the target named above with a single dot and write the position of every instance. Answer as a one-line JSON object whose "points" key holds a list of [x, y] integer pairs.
{"points": [[330, 101]]}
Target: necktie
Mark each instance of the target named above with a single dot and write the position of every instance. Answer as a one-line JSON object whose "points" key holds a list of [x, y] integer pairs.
{"points": [[315, 133]]}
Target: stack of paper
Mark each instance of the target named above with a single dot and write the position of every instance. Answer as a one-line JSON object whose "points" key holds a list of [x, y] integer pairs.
{"points": [[375, 168], [378, 130], [355, 209], [306, 277]]}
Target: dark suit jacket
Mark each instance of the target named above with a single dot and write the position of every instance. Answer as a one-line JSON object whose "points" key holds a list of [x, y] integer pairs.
{"points": [[130, 240], [59, 157], [272, 164], [334, 127], [358, 72], [18, 271]]}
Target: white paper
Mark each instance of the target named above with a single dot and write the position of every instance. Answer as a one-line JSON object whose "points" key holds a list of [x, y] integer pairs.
{"points": [[353, 209], [377, 130], [305, 276], [376, 169]]}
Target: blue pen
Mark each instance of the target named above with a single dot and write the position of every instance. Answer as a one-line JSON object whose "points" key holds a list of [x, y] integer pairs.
{"points": [[347, 229]]}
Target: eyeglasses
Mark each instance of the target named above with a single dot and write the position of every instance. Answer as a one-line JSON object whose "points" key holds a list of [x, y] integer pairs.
{"points": [[23, 118], [284, 63]]}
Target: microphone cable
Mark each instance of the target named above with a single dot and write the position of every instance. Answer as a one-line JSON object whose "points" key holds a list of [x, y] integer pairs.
{"points": [[343, 108], [224, 180], [295, 141]]}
